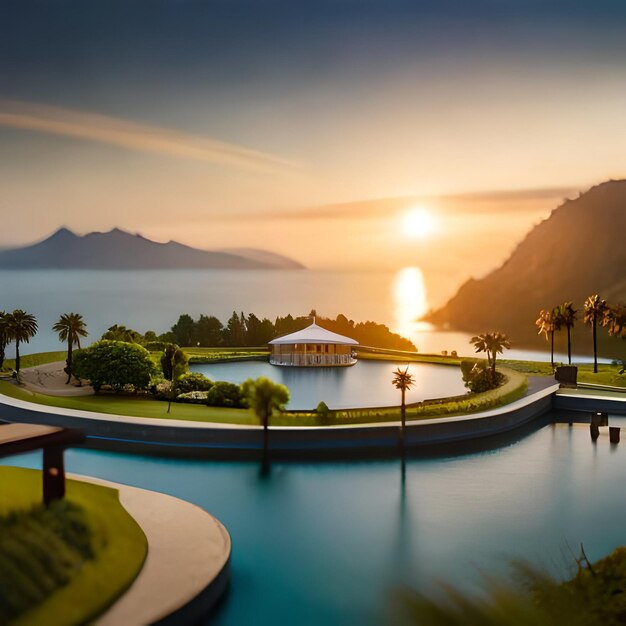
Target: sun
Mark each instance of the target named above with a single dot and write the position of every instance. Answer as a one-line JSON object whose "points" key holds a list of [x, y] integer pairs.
{"points": [[419, 223]]}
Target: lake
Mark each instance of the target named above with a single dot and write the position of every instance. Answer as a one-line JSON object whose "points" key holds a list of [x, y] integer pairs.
{"points": [[153, 300], [329, 543]]}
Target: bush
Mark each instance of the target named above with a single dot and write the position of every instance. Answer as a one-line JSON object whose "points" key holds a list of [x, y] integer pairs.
{"points": [[478, 376], [193, 397], [173, 362], [226, 394], [163, 390], [114, 363], [323, 413], [193, 381]]}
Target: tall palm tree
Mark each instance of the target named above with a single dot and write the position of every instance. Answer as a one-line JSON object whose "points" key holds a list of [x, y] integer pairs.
{"points": [[595, 310], [566, 316], [492, 344], [71, 327], [403, 381], [4, 335], [22, 327], [546, 323]]}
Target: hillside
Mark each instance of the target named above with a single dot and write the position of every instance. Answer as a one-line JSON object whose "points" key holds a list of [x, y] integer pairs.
{"points": [[117, 249], [578, 251]]}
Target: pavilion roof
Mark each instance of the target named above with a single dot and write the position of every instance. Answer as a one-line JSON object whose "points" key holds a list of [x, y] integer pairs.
{"points": [[314, 334]]}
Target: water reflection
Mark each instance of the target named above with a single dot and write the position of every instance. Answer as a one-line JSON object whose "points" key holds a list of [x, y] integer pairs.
{"points": [[410, 301]]}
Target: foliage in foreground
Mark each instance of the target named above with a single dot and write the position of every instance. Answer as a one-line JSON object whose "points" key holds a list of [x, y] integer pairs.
{"points": [[40, 551], [596, 596], [114, 363]]}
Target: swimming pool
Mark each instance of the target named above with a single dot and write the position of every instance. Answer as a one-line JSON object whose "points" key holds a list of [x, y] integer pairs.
{"points": [[328, 543], [365, 384]]}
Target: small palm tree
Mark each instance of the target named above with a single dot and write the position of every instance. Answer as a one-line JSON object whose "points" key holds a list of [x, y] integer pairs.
{"points": [[22, 327], [546, 323], [492, 344], [264, 397], [71, 327], [4, 335], [566, 316], [595, 310], [403, 381]]}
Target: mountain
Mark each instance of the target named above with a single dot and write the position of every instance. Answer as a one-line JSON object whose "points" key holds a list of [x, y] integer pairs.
{"points": [[579, 250], [118, 249]]}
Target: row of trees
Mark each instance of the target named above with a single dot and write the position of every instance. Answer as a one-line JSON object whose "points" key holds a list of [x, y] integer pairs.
{"points": [[20, 327], [249, 330], [596, 312]]}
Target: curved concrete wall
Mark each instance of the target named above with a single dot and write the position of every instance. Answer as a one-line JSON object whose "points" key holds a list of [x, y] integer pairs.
{"points": [[159, 436]]}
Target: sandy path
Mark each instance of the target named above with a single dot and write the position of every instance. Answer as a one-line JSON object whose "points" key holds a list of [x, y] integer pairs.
{"points": [[51, 380]]}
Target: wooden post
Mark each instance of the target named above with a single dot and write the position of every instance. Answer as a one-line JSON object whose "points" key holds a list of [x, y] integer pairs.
{"points": [[53, 474], [614, 432], [595, 431], [600, 418]]}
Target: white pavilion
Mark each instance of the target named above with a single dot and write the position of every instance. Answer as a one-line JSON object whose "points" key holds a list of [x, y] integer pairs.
{"points": [[313, 346]]}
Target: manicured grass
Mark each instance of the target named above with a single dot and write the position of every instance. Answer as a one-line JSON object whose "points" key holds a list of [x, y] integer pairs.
{"points": [[133, 406], [213, 355], [118, 547], [33, 360], [607, 374]]}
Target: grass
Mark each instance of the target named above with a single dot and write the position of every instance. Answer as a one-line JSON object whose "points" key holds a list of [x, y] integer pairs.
{"points": [[34, 360], [117, 547], [607, 374], [220, 355]]}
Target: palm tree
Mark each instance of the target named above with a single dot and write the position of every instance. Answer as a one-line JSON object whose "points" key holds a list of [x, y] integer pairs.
{"points": [[547, 325], [264, 397], [4, 335], [22, 326], [566, 316], [595, 310], [615, 320], [403, 381], [492, 344], [71, 327]]}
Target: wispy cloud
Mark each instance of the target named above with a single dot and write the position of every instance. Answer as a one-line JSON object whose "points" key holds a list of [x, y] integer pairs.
{"points": [[507, 201], [134, 136]]}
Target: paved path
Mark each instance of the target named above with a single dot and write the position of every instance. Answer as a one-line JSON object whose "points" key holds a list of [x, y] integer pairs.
{"points": [[187, 550]]}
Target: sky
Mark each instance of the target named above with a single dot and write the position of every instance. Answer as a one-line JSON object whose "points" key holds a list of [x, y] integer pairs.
{"points": [[309, 128]]}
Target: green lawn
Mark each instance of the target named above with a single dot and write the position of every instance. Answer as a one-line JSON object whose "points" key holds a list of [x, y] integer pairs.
{"points": [[118, 548], [33, 360], [607, 374]]}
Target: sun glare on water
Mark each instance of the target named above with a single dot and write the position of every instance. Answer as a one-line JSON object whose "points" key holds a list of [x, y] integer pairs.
{"points": [[419, 223], [409, 291]]}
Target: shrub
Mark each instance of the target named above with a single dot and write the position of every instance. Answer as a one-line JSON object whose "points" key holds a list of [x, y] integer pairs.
{"points": [[478, 376], [114, 363], [323, 413], [193, 397], [225, 394], [194, 381], [173, 362]]}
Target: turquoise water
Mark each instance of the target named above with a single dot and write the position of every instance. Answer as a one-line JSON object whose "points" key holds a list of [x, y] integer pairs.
{"points": [[328, 543], [365, 384]]}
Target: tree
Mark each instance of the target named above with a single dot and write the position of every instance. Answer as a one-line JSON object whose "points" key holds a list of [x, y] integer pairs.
{"points": [[5, 337], [235, 331], [209, 331], [615, 320], [71, 327], [121, 333], [173, 362], [595, 310], [22, 327], [114, 363], [264, 397], [492, 344], [403, 381], [566, 316], [227, 394], [184, 331], [547, 325]]}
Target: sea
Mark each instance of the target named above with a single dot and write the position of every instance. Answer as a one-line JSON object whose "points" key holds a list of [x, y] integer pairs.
{"points": [[153, 300]]}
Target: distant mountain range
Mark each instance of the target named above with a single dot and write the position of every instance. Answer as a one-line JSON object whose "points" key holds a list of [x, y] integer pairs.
{"points": [[120, 250], [578, 251]]}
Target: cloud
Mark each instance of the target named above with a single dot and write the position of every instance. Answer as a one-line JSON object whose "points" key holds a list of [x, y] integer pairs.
{"points": [[135, 136], [479, 202]]}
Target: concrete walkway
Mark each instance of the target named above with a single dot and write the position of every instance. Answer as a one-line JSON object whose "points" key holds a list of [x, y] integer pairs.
{"points": [[187, 562]]}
